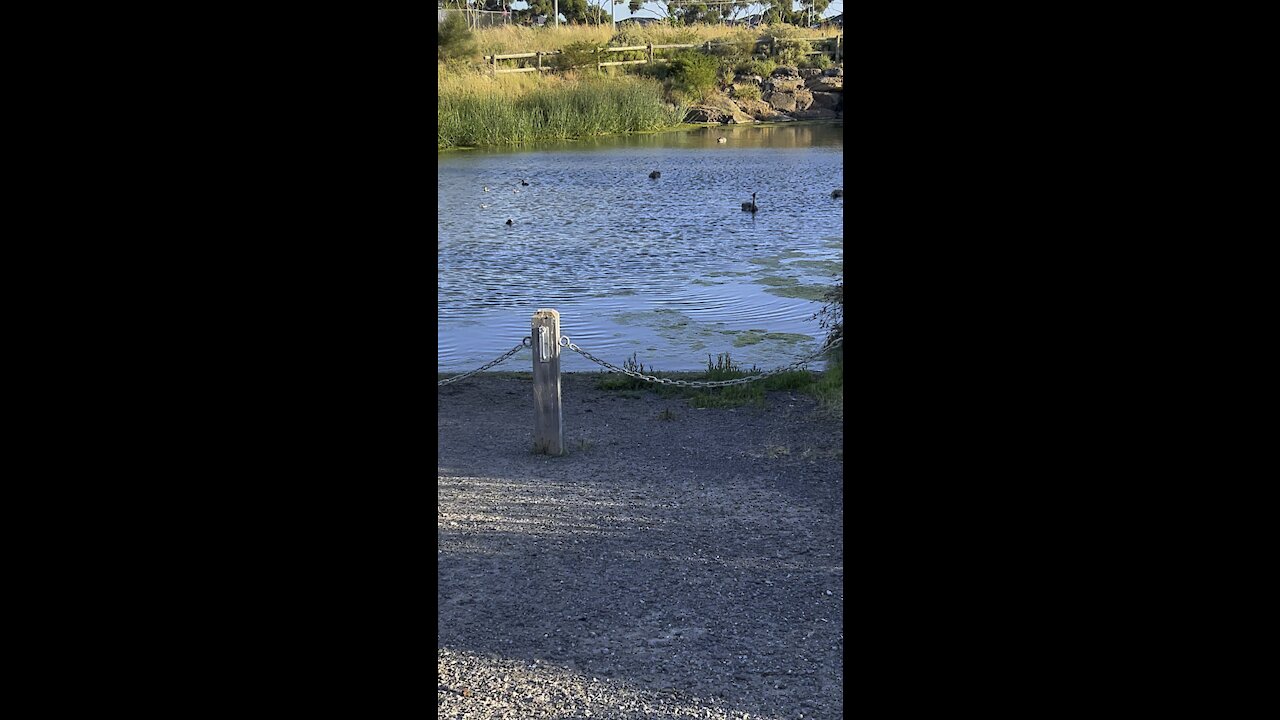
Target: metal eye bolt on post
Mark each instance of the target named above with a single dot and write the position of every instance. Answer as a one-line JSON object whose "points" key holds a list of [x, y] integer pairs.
{"points": [[548, 421]]}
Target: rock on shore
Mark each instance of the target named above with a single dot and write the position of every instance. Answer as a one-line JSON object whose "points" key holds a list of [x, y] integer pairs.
{"points": [[787, 94]]}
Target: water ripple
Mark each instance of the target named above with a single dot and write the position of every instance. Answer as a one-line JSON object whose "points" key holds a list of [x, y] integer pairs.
{"points": [[670, 269]]}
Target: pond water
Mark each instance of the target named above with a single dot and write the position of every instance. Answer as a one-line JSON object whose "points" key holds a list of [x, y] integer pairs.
{"points": [[670, 270]]}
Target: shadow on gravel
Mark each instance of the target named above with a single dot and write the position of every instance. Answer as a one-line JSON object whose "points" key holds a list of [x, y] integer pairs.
{"points": [[729, 589]]}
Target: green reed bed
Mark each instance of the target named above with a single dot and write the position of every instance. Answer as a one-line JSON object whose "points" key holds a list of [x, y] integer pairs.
{"points": [[494, 111]]}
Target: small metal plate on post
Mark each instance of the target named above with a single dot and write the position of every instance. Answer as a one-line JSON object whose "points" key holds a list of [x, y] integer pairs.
{"points": [[544, 343]]}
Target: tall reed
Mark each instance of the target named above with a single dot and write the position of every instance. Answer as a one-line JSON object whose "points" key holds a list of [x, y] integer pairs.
{"points": [[475, 110]]}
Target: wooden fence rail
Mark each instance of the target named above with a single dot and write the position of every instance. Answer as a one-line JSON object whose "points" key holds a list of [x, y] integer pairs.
{"points": [[512, 56], [833, 46]]}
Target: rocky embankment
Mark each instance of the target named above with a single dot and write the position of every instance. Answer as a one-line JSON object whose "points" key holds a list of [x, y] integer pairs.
{"points": [[787, 94]]}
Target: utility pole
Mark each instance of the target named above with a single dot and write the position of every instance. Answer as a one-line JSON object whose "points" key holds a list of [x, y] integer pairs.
{"points": [[612, 22], [557, 13]]}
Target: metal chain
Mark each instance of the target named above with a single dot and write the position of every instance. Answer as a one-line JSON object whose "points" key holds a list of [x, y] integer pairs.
{"points": [[566, 342], [526, 342]]}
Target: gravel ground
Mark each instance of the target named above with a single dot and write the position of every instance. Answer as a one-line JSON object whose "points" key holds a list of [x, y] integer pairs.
{"points": [[689, 566]]}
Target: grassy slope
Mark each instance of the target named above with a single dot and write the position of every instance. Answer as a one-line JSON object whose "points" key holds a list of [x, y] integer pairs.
{"points": [[477, 109]]}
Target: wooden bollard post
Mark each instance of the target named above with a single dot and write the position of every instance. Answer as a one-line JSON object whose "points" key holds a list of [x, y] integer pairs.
{"points": [[548, 423]]}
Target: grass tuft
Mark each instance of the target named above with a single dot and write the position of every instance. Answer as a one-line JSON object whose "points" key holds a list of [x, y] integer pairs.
{"points": [[827, 387], [476, 110]]}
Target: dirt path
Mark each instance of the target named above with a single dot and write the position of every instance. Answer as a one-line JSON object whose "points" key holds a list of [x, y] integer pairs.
{"points": [[683, 567]]}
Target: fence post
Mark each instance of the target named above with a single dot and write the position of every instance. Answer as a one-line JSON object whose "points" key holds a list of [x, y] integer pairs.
{"points": [[650, 52], [539, 62], [548, 422], [495, 64]]}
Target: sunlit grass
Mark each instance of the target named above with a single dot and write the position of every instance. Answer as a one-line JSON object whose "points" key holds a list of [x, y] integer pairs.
{"points": [[475, 109], [520, 39]]}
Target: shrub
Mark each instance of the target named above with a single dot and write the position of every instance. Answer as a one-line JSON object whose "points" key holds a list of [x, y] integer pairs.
{"points": [[763, 68], [577, 54], [831, 316], [675, 36], [655, 70], [746, 91], [821, 62], [735, 49], [454, 40], [628, 37], [789, 50], [792, 52], [694, 73]]}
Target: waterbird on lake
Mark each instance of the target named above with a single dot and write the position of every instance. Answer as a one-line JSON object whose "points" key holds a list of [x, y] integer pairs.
{"points": [[750, 206], [483, 206], [838, 192], [486, 188], [509, 221], [523, 181], [721, 139], [655, 175]]}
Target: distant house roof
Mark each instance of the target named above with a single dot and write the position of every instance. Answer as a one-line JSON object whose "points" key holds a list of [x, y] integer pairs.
{"points": [[639, 20], [750, 20]]}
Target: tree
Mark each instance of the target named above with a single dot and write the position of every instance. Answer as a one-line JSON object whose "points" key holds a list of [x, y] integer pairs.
{"points": [[572, 10], [688, 13], [454, 40], [635, 5], [576, 10], [541, 7], [781, 12], [817, 7]]}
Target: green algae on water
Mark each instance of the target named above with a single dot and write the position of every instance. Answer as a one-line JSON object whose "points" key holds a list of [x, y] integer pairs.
{"points": [[804, 292], [832, 266], [776, 280]]}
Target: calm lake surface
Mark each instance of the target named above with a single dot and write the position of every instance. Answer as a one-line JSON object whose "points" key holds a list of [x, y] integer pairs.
{"points": [[669, 269]]}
